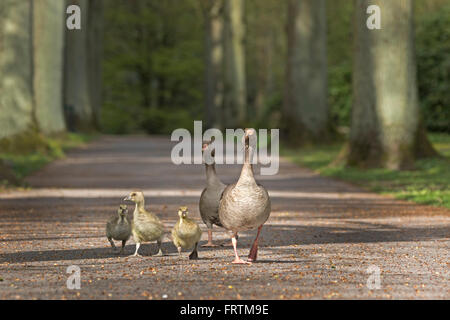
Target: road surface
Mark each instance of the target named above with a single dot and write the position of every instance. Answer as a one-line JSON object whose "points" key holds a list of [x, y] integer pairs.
{"points": [[325, 239]]}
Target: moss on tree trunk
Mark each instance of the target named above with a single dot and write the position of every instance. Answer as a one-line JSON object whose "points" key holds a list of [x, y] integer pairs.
{"points": [[386, 129], [48, 44], [306, 108]]}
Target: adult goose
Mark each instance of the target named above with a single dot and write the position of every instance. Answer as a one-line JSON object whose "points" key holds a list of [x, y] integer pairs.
{"points": [[210, 197], [245, 205]]}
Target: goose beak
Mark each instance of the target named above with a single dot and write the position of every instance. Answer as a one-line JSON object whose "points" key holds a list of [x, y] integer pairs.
{"points": [[249, 132], [127, 198]]}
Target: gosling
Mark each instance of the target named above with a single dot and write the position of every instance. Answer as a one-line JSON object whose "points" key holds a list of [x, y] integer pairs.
{"points": [[146, 226], [186, 233], [119, 228]]}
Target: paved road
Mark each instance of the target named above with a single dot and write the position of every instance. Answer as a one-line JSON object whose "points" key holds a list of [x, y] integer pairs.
{"points": [[320, 240]]}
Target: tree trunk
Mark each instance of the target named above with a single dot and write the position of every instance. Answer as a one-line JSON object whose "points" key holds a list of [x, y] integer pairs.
{"points": [[16, 91], [235, 75], [95, 54], [305, 107], [386, 127], [213, 12], [77, 102], [262, 46], [48, 42]]}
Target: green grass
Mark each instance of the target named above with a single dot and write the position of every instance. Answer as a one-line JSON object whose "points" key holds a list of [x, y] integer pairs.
{"points": [[24, 158], [428, 184]]}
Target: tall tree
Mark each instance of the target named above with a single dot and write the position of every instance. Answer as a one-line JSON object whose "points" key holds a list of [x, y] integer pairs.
{"points": [[235, 103], [16, 89], [77, 102], [305, 107], [213, 19], [48, 42], [386, 129], [95, 55], [262, 29]]}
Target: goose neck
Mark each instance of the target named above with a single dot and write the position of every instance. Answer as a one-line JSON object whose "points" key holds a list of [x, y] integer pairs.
{"points": [[246, 177], [140, 206], [211, 176]]}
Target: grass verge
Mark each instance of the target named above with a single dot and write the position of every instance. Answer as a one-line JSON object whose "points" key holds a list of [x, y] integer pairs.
{"points": [[30, 152], [428, 184]]}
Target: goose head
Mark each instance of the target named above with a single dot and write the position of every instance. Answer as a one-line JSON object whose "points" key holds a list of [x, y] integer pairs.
{"points": [[249, 140], [209, 152], [123, 210], [135, 196], [183, 212]]}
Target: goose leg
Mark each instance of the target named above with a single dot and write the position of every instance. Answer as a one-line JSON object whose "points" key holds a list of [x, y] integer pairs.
{"points": [[179, 251], [237, 260], [210, 243], [227, 244], [194, 254], [254, 250]]}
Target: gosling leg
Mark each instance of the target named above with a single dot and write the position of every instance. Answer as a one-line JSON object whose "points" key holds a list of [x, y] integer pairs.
{"points": [[160, 253], [123, 246], [194, 254], [138, 244], [254, 250], [112, 244], [237, 260]]}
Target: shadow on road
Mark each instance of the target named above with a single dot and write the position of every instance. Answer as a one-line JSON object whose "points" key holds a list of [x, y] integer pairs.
{"points": [[273, 237]]}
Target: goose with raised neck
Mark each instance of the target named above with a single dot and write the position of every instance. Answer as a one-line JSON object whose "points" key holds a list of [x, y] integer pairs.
{"points": [[245, 205], [210, 197]]}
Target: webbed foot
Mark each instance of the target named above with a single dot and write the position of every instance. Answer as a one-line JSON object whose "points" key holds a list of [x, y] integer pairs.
{"points": [[240, 261]]}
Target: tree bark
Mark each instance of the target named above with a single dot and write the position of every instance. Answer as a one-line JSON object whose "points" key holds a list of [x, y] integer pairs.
{"points": [[48, 43], [306, 110], [95, 55], [235, 102], [386, 127], [77, 102], [262, 46], [16, 89], [213, 13]]}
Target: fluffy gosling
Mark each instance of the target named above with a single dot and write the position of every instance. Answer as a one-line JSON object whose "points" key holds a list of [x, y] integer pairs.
{"points": [[146, 225], [186, 233], [119, 228]]}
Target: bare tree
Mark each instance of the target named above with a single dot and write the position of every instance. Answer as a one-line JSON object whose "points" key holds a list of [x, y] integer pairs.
{"points": [[16, 89], [48, 42], [306, 109], [235, 103], [213, 16], [77, 102], [95, 55], [386, 129]]}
